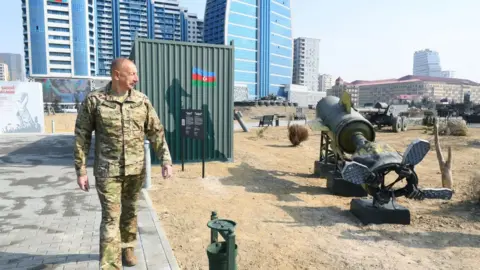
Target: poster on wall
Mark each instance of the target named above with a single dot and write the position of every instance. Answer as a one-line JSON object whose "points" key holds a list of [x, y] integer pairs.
{"points": [[64, 90], [96, 84], [21, 107]]}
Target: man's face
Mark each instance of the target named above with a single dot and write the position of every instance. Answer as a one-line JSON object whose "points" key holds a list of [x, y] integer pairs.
{"points": [[126, 75]]}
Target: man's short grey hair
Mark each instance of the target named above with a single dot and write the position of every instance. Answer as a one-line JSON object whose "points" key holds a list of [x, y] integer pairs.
{"points": [[118, 63]]}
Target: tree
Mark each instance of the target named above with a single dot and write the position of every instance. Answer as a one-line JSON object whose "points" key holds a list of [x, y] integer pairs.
{"points": [[445, 165]]}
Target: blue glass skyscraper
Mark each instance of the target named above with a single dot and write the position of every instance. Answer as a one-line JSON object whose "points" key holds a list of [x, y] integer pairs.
{"points": [[261, 31]]}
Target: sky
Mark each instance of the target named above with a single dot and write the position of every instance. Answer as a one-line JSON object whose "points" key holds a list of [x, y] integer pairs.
{"points": [[360, 39]]}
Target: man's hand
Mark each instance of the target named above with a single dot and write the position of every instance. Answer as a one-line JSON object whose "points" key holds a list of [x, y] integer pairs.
{"points": [[82, 182], [167, 171]]}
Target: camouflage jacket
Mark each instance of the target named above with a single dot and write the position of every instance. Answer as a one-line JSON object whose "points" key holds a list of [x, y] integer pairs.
{"points": [[120, 129]]}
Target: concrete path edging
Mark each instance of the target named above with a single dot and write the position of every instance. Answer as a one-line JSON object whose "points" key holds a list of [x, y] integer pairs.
{"points": [[161, 233]]}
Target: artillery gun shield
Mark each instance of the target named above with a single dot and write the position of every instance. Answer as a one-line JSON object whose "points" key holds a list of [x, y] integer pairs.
{"points": [[416, 152]]}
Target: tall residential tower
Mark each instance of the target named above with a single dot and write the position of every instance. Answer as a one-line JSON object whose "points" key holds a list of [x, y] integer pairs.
{"points": [[305, 62], [4, 73], [15, 65], [325, 82], [193, 26], [262, 34], [427, 63], [59, 37], [76, 38]]}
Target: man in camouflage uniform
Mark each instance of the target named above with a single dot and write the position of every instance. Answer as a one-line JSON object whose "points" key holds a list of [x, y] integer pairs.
{"points": [[121, 118]]}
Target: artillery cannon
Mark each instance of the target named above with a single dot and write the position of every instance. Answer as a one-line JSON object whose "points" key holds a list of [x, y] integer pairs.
{"points": [[349, 154], [429, 117], [383, 114]]}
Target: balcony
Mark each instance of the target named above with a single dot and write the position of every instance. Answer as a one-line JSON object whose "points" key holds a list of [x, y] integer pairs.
{"points": [[58, 8], [106, 46], [60, 58], [105, 36], [104, 20], [105, 41], [58, 17], [60, 66]]}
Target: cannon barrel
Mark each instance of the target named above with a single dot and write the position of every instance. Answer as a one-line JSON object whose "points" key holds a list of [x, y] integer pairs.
{"points": [[344, 125]]}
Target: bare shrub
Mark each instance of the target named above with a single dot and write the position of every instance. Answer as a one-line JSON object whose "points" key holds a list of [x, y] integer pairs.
{"points": [[297, 134], [261, 131], [453, 127], [473, 188]]}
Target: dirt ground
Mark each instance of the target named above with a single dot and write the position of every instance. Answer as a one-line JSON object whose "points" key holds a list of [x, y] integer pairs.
{"points": [[64, 122], [287, 219], [249, 113]]}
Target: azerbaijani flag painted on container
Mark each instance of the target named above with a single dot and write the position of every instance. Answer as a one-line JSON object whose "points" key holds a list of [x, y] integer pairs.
{"points": [[203, 78]]}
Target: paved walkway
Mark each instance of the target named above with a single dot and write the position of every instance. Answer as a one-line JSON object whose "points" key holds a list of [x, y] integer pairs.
{"points": [[46, 222]]}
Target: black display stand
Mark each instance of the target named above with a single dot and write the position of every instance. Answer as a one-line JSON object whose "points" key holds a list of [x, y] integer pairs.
{"points": [[340, 187], [390, 213], [193, 126]]}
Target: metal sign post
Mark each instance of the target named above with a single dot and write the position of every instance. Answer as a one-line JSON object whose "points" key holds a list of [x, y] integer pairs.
{"points": [[193, 126]]}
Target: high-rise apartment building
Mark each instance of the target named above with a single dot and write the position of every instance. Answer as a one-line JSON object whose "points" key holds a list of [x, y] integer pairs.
{"points": [[193, 26], [75, 38], [4, 73], [200, 26], [59, 37], [305, 62], [427, 63], [15, 65], [262, 34], [325, 82]]}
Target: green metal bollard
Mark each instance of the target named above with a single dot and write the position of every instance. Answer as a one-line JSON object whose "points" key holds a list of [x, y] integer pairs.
{"points": [[222, 255]]}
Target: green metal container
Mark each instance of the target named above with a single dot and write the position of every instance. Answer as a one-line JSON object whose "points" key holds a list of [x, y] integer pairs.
{"points": [[218, 257], [184, 75]]}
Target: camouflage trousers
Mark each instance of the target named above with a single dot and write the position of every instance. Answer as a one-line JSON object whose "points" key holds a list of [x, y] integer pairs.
{"points": [[118, 229]]}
